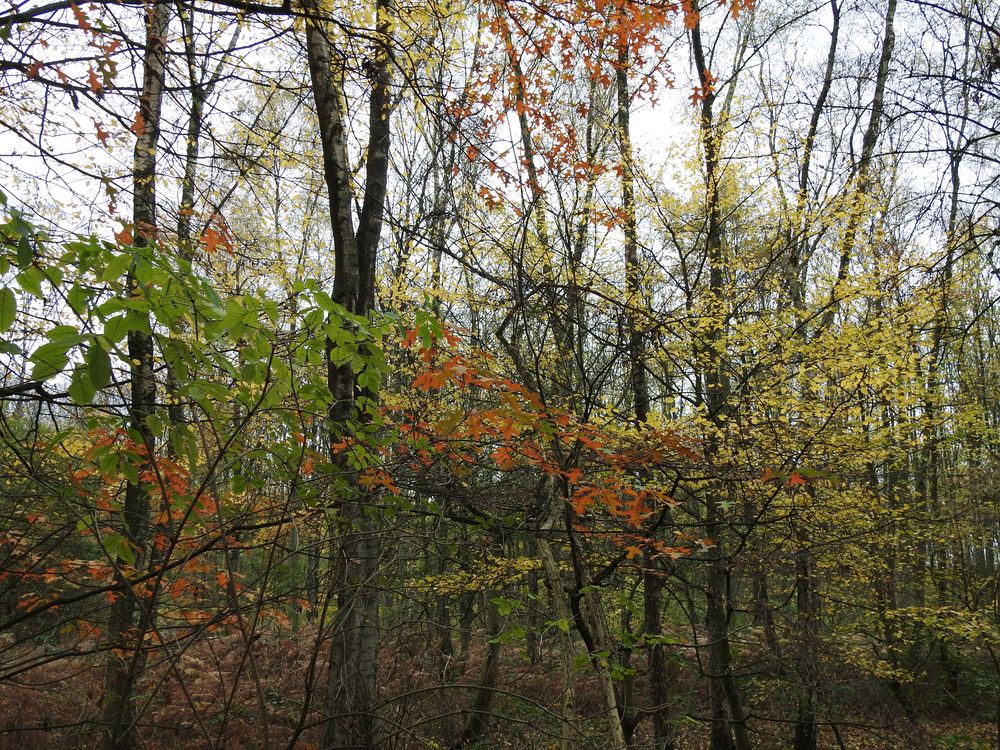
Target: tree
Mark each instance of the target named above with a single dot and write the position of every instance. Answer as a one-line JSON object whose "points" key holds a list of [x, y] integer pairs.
{"points": [[548, 415]]}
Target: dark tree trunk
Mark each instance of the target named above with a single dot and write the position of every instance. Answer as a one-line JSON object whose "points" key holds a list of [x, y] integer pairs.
{"points": [[479, 710], [352, 686]]}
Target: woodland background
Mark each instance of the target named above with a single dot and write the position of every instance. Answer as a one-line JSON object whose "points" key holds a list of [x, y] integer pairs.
{"points": [[500, 374]]}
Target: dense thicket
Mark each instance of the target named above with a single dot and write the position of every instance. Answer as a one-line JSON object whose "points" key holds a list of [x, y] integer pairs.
{"points": [[511, 374]]}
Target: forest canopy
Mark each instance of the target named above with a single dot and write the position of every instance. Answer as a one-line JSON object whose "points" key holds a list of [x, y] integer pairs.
{"points": [[500, 374]]}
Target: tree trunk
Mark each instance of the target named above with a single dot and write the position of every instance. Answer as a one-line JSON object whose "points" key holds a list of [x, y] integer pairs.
{"points": [[352, 685], [807, 604], [479, 710], [565, 640], [125, 659], [728, 718]]}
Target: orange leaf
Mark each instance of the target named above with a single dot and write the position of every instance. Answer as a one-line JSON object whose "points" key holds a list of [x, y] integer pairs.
{"points": [[215, 236], [102, 134], [81, 17], [796, 480], [124, 237], [503, 457], [93, 81], [139, 124], [634, 514]]}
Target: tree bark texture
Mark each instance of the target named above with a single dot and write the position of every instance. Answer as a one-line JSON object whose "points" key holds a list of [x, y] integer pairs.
{"points": [[352, 686], [125, 659]]}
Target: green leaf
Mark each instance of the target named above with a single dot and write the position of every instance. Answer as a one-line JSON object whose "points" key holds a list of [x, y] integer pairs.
{"points": [[8, 309], [116, 267], [98, 365], [60, 334], [118, 547], [116, 328], [30, 280], [77, 298], [49, 359], [155, 424], [81, 389], [25, 254], [129, 470]]}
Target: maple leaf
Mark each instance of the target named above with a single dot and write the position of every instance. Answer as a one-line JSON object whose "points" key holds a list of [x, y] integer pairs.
{"points": [[214, 239], [796, 480]]}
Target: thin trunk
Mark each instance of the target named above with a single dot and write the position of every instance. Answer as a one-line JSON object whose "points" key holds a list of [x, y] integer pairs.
{"points": [[797, 231], [445, 651], [479, 711], [807, 598], [729, 718], [125, 659], [532, 636], [807, 606], [861, 184], [652, 581], [564, 618]]}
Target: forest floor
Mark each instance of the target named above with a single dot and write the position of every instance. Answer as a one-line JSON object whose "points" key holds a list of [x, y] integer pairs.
{"points": [[195, 703]]}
